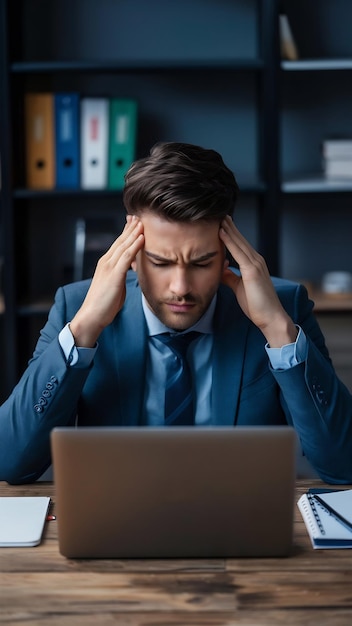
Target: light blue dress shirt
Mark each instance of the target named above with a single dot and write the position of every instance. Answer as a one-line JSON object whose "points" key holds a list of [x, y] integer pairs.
{"points": [[159, 356]]}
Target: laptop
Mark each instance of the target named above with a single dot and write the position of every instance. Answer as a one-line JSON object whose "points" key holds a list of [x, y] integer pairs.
{"points": [[145, 492]]}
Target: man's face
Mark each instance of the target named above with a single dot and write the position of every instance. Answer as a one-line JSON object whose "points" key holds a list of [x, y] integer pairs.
{"points": [[179, 269]]}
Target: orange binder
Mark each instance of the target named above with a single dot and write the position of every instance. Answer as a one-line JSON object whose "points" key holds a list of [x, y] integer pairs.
{"points": [[40, 140]]}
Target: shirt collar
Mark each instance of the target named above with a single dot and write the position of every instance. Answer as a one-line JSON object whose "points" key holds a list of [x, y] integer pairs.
{"points": [[155, 326]]}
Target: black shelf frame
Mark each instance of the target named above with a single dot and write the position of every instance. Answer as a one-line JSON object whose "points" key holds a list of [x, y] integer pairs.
{"points": [[104, 67], [6, 206], [268, 155]]}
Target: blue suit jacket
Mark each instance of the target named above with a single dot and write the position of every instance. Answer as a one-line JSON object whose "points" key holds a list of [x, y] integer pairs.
{"points": [[246, 391]]}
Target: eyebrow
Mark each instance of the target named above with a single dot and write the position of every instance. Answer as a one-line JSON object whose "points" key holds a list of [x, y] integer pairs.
{"points": [[200, 259]]}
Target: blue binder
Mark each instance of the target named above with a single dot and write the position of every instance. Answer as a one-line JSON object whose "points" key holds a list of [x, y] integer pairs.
{"points": [[67, 139]]}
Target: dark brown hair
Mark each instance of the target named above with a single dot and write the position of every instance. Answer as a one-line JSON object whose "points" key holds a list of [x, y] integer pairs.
{"points": [[181, 182]]}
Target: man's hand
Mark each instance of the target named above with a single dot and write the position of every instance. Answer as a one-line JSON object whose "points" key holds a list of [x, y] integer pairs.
{"points": [[107, 292], [254, 289]]}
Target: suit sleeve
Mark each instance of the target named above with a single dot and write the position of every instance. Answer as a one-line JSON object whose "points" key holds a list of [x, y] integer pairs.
{"points": [[46, 396], [316, 402]]}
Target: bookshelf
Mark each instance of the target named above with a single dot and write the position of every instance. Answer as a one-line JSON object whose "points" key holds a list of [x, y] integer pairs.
{"points": [[200, 73], [315, 217], [316, 182], [207, 73], [315, 103]]}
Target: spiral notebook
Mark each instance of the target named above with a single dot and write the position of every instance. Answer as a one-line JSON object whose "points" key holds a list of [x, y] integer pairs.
{"points": [[321, 513]]}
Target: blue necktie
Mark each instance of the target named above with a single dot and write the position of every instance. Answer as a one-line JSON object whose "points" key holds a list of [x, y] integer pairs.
{"points": [[179, 410]]}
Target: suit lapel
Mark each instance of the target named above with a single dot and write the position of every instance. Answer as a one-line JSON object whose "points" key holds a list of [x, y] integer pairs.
{"points": [[130, 344], [230, 335]]}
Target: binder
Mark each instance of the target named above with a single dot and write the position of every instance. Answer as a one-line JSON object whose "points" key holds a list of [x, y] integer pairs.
{"points": [[67, 140], [324, 527], [94, 142], [40, 140], [122, 140]]}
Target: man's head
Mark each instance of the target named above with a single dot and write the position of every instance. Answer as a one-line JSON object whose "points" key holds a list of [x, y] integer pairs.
{"points": [[181, 193]]}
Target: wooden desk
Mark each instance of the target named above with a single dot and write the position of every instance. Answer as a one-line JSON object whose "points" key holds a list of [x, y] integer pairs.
{"points": [[39, 586]]}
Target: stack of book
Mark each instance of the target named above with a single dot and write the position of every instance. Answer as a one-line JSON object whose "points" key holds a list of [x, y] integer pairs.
{"points": [[74, 142], [337, 158]]}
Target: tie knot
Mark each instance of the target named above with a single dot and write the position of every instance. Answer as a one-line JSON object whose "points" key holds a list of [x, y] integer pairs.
{"points": [[179, 343]]}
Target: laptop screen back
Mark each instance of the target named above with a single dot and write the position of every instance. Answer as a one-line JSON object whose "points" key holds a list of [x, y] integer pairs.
{"points": [[174, 492]]}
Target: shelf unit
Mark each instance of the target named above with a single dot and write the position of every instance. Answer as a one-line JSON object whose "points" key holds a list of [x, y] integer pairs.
{"points": [[315, 216], [316, 182], [315, 103], [208, 73], [199, 69]]}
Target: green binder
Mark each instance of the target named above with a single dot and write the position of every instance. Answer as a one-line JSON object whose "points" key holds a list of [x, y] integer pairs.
{"points": [[122, 139]]}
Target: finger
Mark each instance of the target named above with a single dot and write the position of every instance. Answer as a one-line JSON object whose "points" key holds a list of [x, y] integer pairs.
{"points": [[129, 254], [123, 256], [130, 234], [238, 246], [230, 234]]}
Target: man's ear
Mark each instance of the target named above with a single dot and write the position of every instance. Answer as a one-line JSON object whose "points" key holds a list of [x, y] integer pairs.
{"points": [[134, 265]]}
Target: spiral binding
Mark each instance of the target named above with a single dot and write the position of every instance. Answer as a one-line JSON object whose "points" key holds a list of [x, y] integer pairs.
{"points": [[312, 502]]}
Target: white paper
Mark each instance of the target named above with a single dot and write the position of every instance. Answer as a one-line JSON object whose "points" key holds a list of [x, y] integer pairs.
{"points": [[340, 501], [22, 520]]}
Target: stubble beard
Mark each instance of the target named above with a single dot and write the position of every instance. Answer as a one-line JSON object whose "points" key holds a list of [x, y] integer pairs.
{"points": [[178, 321]]}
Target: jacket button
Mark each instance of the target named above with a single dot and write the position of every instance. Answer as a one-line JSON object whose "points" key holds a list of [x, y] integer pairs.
{"points": [[320, 395], [38, 408]]}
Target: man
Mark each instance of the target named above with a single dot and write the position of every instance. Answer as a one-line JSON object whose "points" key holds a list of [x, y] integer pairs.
{"points": [[259, 357]]}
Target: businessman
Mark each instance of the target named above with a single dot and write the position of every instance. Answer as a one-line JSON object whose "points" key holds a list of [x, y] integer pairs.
{"points": [[258, 356]]}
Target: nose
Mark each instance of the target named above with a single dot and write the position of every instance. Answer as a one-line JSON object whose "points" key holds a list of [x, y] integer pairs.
{"points": [[179, 281]]}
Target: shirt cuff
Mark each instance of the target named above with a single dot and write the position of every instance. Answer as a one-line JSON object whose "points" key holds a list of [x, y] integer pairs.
{"points": [[81, 357], [289, 355]]}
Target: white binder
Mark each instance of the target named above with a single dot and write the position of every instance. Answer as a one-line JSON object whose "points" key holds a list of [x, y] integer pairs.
{"points": [[94, 142]]}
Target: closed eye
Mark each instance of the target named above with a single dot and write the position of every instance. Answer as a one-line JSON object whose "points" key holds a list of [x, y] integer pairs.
{"points": [[166, 264], [201, 264], [160, 263], [204, 261]]}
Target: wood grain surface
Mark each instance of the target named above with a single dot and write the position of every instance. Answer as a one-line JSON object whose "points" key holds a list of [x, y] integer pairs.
{"points": [[39, 586]]}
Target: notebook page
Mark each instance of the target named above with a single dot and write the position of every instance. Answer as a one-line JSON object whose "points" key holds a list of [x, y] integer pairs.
{"points": [[22, 520], [340, 501]]}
